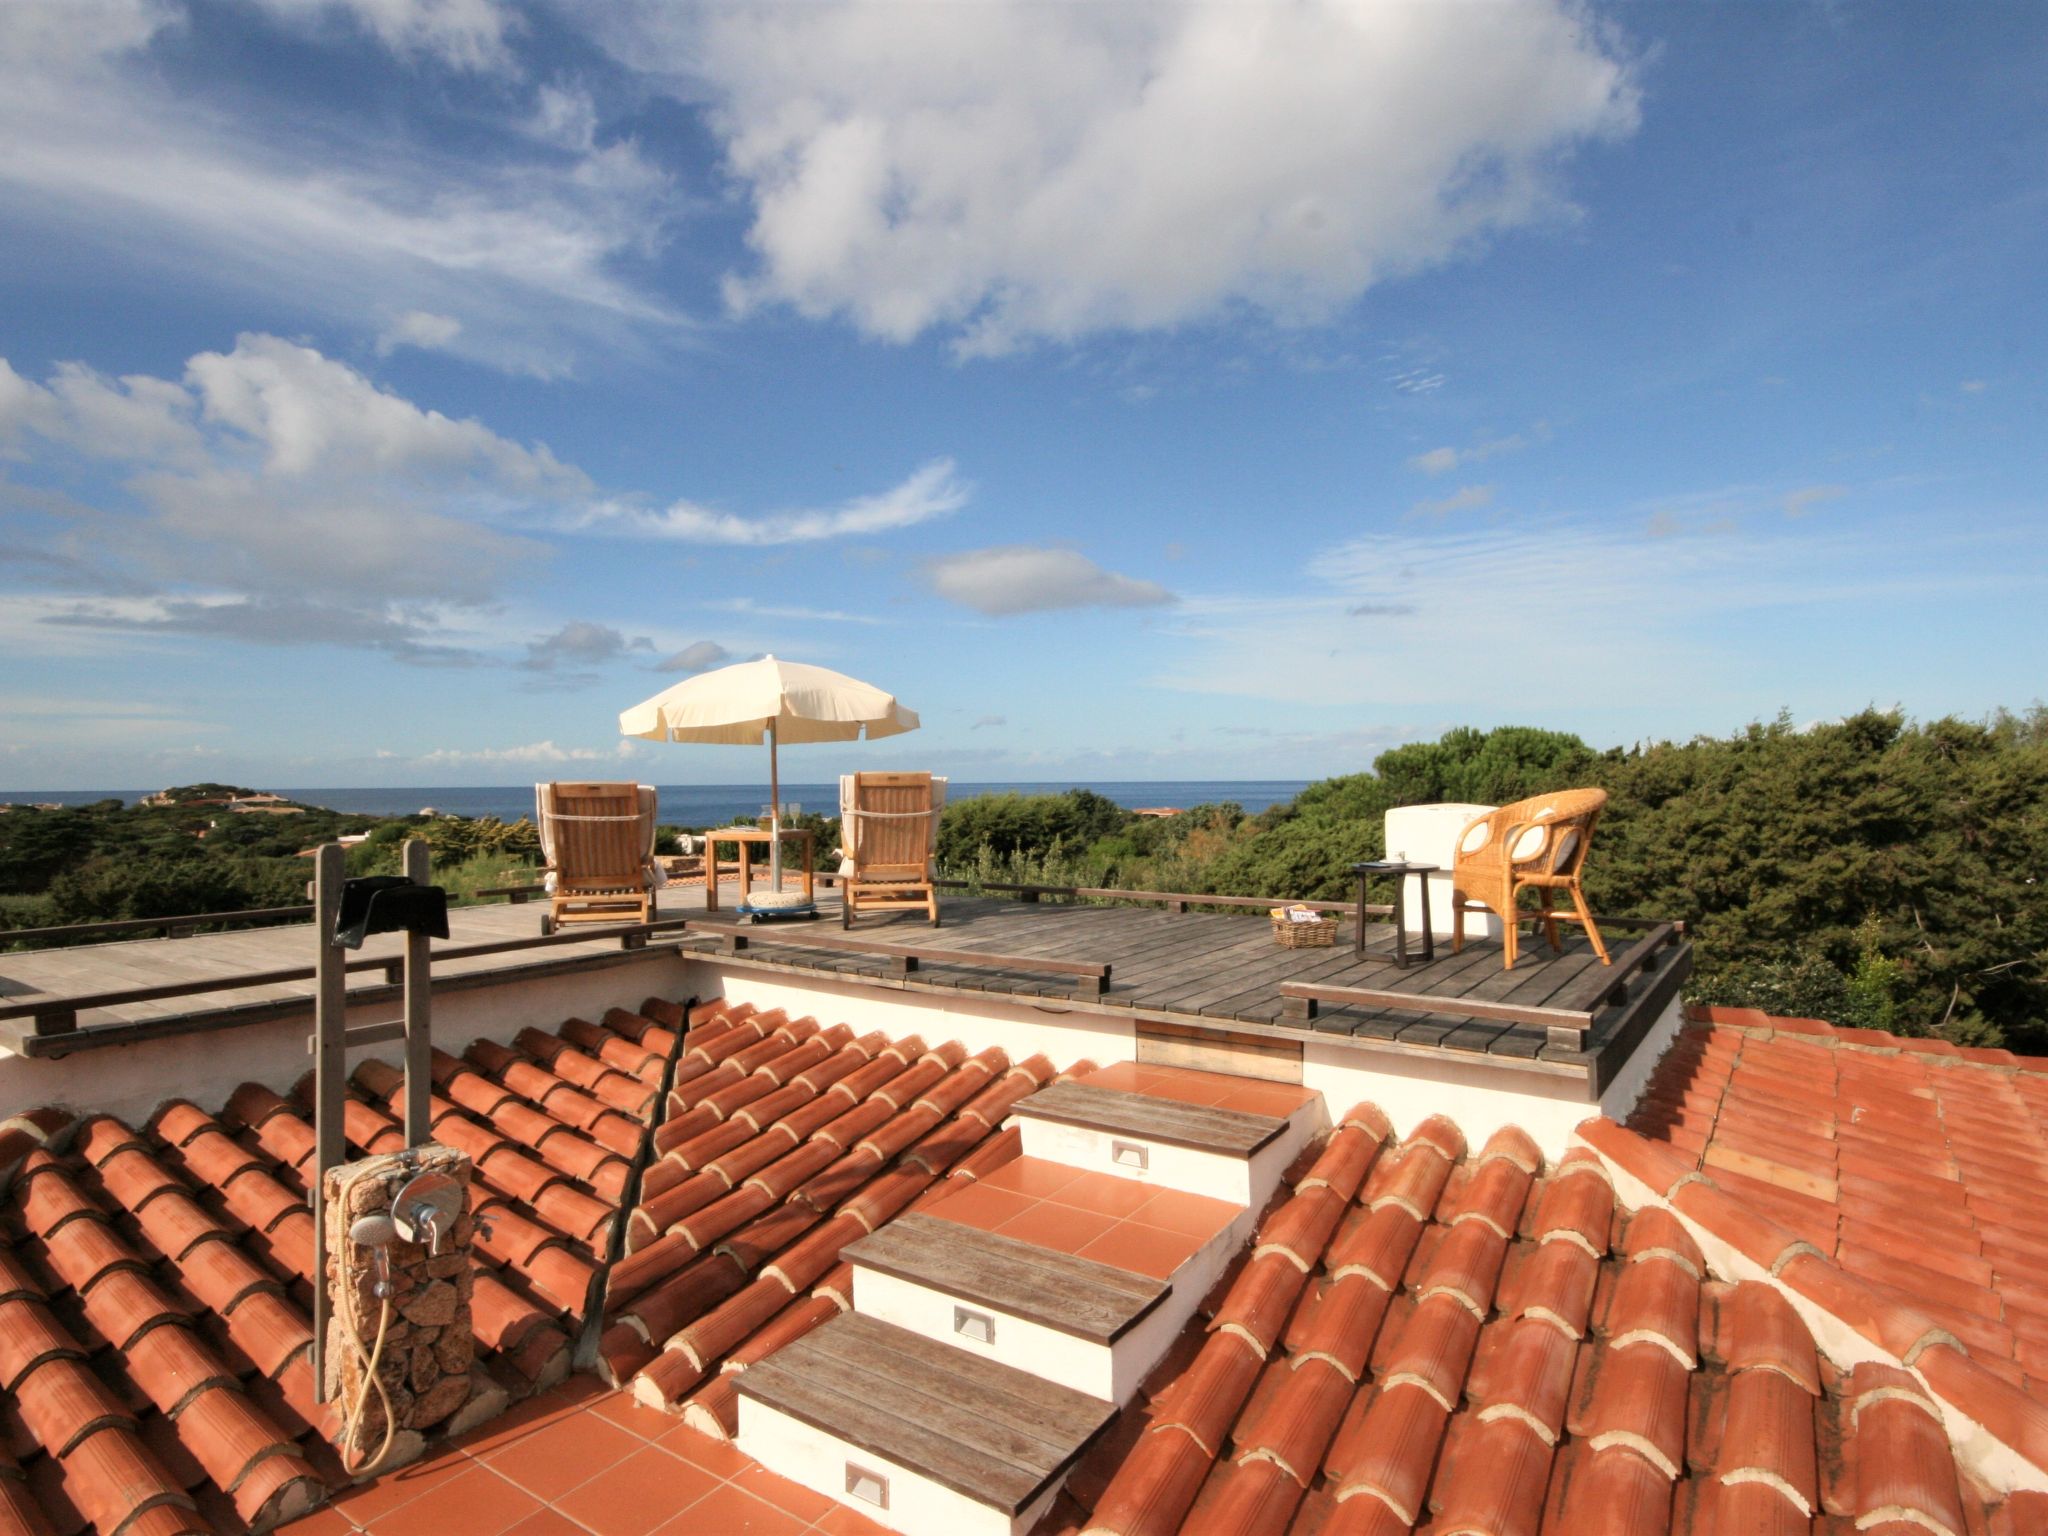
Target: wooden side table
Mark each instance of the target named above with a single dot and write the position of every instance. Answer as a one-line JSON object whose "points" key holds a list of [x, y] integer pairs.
{"points": [[749, 838], [1400, 870]]}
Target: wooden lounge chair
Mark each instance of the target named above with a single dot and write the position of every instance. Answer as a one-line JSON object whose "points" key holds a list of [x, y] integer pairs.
{"points": [[889, 829], [598, 840], [1536, 844]]}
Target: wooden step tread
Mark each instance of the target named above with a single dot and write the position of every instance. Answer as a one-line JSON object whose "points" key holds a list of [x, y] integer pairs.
{"points": [[1139, 1115], [1075, 1296], [989, 1432]]}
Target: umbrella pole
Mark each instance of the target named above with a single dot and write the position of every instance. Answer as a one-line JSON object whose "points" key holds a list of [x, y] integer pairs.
{"points": [[774, 815]]}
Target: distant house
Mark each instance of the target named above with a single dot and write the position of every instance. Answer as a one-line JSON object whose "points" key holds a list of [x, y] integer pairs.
{"points": [[1157, 810], [347, 840]]}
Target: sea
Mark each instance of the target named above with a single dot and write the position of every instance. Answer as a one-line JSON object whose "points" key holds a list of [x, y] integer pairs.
{"points": [[704, 805]]}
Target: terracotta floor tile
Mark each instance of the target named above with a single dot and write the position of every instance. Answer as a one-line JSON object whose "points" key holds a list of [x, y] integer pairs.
{"points": [[623, 1410], [848, 1522], [563, 1453], [520, 1422], [373, 1500], [327, 1521], [1193, 1088], [1105, 1194], [1032, 1177], [478, 1503], [980, 1205], [1196, 1215], [640, 1493], [791, 1498], [732, 1511], [547, 1522], [1123, 1076], [1253, 1098], [719, 1457], [1059, 1227], [1141, 1249]]}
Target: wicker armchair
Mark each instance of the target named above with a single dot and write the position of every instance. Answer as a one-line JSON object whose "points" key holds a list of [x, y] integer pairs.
{"points": [[1537, 844]]}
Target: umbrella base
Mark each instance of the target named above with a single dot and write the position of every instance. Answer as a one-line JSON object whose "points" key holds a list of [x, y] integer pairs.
{"points": [[774, 905]]}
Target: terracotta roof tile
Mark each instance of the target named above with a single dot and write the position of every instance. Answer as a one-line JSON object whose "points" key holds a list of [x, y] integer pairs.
{"points": [[1522, 1407], [182, 1252]]}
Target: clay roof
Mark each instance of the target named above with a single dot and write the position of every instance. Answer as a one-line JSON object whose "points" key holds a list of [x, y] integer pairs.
{"points": [[1919, 1168], [1468, 1344], [782, 1142], [1422, 1336], [155, 1305]]}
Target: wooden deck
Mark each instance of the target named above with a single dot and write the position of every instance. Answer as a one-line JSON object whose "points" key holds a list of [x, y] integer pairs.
{"points": [[1220, 971], [1204, 972], [34, 976]]}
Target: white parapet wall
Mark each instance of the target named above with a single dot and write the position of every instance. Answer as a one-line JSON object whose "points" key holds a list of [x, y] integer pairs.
{"points": [[1021, 1027], [1481, 1096], [131, 1081]]}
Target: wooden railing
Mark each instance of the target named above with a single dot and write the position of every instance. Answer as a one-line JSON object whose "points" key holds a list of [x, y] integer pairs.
{"points": [[1565, 1023], [175, 927], [1090, 977], [1173, 901], [59, 1015]]}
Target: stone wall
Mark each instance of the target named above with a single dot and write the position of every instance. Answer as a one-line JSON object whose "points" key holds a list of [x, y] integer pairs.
{"points": [[429, 1343]]}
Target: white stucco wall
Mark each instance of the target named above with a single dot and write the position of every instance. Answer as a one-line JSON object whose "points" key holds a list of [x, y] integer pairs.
{"points": [[130, 1081], [1022, 1028]]}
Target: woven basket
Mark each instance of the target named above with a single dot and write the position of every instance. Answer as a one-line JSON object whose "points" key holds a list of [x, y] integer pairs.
{"points": [[1320, 934]]}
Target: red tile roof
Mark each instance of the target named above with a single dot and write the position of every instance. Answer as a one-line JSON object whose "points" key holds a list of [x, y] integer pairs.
{"points": [[155, 1294], [784, 1141], [1470, 1345], [1921, 1170]]}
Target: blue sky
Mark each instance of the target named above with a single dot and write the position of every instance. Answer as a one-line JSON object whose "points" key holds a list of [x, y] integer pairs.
{"points": [[396, 389]]}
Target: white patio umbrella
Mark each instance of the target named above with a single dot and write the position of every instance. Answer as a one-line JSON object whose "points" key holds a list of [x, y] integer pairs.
{"points": [[773, 700]]}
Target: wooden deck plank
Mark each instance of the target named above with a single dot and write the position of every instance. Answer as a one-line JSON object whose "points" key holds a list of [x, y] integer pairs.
{"points": [[985, 1430], [1198, 1126], [1070, 1295]]}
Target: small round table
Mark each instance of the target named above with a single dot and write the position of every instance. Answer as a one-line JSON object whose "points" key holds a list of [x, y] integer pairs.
{"points": [[1400, 869]]}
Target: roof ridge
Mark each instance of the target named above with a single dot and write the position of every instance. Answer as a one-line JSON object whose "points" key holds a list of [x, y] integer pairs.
{"points": [[1754, 1022]]}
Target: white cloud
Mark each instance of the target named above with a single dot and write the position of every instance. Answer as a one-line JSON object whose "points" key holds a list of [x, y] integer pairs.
{"points": [[1802, 501], [467, 34], [989, 722], [1021, 578], [273, 495], [699, 657], [933, 491], [531, 752], [311, 415], [331, 215], [581, 644], [1664, 607], [1010, 171], [417, 328], [280, 471], [1466, 498], [1441, 461]]}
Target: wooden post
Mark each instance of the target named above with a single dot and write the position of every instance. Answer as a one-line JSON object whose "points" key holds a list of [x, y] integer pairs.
{"points": [[330, 1070], [419, 1009]]}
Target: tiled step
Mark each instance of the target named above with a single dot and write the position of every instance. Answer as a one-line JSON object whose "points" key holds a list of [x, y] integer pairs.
{"points": [[1067, 1319], [919, 1436], [1167, 1140]]}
